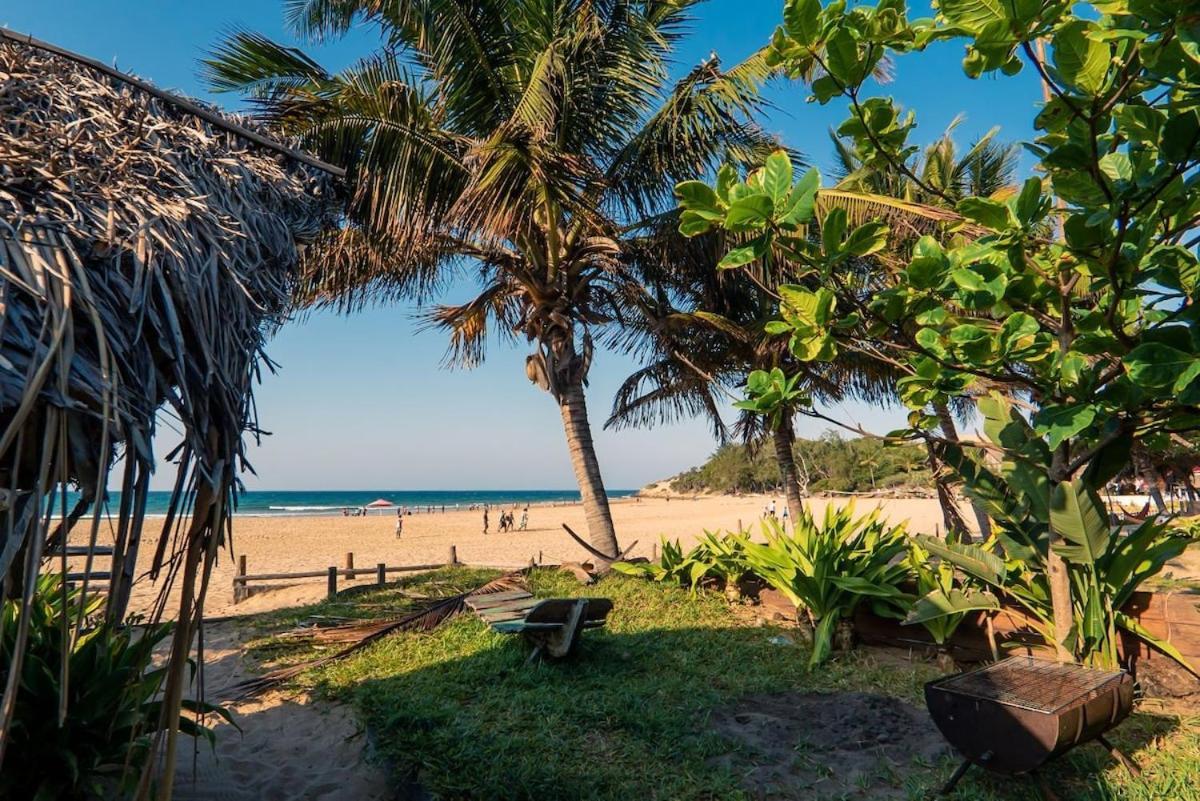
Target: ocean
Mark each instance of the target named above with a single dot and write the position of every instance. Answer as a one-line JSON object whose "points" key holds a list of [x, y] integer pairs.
{"points": [[282, 503]]}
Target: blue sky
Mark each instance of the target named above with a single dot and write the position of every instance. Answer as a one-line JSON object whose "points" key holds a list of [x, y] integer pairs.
{"points": [[363, 401]]}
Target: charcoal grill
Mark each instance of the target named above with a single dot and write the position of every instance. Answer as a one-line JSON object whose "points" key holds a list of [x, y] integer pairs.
{"points": [[1013, 716]]}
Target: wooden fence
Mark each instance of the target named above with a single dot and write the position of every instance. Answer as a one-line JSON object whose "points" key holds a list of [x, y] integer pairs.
{"points": [[331, 574]]}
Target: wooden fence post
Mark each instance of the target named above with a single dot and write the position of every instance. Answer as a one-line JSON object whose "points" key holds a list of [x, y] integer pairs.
{"points": [[381, 574], [654, 552], [453, 560], [332, 581], [239, 587], [349, 564], [740, 529]]}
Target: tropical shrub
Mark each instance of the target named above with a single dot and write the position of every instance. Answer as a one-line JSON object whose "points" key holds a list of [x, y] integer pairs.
{"points": [[1076, 297], [827, 569], [87, 736], [1106, 568], [942, 602], [716, 557]]}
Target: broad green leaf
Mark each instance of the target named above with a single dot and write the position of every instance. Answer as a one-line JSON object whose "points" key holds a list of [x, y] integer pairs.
{"points": [[1181, 136], [692, 224], [749, 212], [841, 56], [832, 229], [988, 213], [727, 178], [1060, 423], [1078, 516], [802, 200], [801, 19], [972, 14], [938, 604], [867, 239], [1080, 60], [982, 564], [777, 177], [696, 195], [1154, 365], [743, 255]]}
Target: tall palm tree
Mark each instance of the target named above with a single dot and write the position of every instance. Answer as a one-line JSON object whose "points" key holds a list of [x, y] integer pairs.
{"points": [[700, 333], [987, 169], [522, 137]]}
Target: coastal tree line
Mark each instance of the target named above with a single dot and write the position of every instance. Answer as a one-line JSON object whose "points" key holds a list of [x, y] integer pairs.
{"points": [[830, 463]]}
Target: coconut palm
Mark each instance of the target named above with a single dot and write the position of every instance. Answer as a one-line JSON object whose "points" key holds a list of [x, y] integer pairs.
{"points": [[987, 169], [518, 137], [700, 334]]}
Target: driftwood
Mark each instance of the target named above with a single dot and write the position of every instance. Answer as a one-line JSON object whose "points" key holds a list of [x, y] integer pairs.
{"points": [[147, 249], [605, 560]]}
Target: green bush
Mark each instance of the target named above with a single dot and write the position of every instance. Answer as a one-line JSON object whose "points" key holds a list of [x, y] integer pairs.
{"points": [[112, 713], [827, 569]]}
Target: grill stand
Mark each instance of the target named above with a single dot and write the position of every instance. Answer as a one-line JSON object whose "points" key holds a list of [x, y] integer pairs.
{"points": [[1040, 780]]}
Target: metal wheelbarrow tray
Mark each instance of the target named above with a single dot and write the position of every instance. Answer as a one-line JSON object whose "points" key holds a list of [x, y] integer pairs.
{"points": [[1013, 716]]}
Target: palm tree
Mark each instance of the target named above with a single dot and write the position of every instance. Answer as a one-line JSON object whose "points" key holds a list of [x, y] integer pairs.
{"points": [[521, 137], [700, 333], [987, 169]]}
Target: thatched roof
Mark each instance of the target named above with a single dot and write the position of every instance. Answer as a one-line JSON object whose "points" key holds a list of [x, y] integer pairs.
{"points": [[147, 247]]}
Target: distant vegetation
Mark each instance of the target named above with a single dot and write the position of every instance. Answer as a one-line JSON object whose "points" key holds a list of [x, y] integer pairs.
{"points": [[827, 464]]}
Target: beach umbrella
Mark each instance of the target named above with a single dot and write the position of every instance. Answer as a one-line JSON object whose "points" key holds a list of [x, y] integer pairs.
{"points": [[379, 503]]}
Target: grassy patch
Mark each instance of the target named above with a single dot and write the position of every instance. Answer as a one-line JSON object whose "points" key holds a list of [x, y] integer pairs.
{"points": [[459, 711]]}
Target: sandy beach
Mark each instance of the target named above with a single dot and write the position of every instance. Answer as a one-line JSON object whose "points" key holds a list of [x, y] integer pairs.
{"points": [[300, 543]]}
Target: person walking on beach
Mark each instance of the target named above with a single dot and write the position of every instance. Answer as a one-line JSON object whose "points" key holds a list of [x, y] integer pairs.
{"points": [[785, 518], [399, 523], [524, 518], [485, 519], [772, 507]]}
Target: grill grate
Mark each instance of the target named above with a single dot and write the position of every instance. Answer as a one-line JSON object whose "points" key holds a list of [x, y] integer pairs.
{"points": [[1033, 684]]}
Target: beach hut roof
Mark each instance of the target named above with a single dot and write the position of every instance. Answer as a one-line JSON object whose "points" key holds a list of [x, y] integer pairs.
{"points": [[148, 245]]}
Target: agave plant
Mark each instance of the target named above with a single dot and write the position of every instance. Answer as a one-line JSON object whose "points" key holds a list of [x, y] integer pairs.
{"points": [[828, 569]]}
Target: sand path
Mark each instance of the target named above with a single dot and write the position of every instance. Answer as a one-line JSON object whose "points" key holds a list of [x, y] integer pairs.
{"points": [[290, 746]]}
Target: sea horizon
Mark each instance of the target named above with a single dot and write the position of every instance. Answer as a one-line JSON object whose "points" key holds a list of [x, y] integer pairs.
{"points": [[295, 503]]}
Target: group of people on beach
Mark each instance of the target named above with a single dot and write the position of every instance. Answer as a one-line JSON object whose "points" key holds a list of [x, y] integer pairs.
{"points": [[507, 520], [771, 510]]}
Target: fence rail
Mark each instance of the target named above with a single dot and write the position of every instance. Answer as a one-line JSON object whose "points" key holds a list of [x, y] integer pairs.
{"points": [[242, 579]]}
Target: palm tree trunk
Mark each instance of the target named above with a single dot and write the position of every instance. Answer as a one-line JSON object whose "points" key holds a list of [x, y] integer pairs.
{"points": [[601, 533], [951, 433], [785, 437]]}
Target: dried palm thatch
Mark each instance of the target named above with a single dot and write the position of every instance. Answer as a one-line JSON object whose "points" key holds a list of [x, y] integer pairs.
{"points": [[147, 247], [361, 633]]}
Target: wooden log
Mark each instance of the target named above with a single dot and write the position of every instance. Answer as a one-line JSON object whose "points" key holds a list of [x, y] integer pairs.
{"points": [[93, 576], [81, 550], [381, 574], [332, 582]]}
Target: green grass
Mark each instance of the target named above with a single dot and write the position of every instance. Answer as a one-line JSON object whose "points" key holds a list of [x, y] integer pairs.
{"points": [[459, 711]]}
